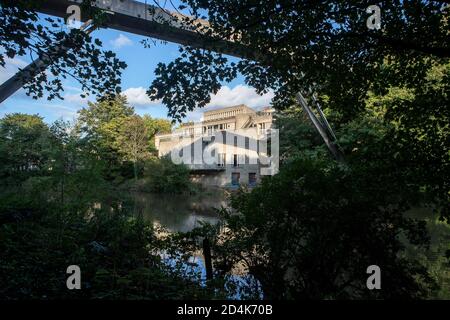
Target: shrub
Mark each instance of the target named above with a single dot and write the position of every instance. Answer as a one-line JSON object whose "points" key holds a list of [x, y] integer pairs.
{"points": [[163, 176]]}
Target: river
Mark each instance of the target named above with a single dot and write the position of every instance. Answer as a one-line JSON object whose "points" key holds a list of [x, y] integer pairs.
{"points": [[180, 213]]}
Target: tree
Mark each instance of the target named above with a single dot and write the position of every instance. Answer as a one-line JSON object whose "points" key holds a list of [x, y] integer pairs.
{"points": [[42, 166], [102, 121], [163, 176], [296, 45], [311, 231], [117, 134], [133, 141], [296, 134], [308, 231], [22, 33], [418, 135], [102, 124], [154, 127], [76, 172], [25, 145], [326, 47]]}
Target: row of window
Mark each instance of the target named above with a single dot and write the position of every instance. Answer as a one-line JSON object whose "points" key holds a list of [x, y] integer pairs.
{"points": [[238, 159], [214, 128], [236, 177]]}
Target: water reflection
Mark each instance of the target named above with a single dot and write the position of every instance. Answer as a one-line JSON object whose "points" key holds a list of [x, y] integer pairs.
{"points": [[180, 213]]}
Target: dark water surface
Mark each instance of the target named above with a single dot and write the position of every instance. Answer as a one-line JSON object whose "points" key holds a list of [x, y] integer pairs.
{"points": [[184, 212], [180, 212]]}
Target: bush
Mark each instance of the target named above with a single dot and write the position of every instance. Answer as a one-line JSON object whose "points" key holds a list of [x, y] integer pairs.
{"points": [[312, 230], [163, 176], [117, 255]]}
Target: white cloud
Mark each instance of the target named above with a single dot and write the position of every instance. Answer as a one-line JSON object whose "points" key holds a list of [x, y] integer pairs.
{"points": [[241, 94], [50, 110], [11, 67], [138, 97], [75, 98], [227, 97], [16, 62], [121, 41], [65, 112], [69, 87]]}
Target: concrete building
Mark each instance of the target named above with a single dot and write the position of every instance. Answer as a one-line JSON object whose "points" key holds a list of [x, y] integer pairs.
{"points": [[227, 148]]}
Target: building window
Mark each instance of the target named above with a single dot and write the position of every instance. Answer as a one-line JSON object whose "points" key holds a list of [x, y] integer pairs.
{"points": [[238, 160], [252, 179], [221, 160], [235, 177]]}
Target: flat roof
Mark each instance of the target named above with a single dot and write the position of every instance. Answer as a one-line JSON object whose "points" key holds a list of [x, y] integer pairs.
{"points": [[239, 106]]}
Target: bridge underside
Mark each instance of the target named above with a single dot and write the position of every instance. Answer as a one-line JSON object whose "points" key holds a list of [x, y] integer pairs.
{"points": [[147, 20]]}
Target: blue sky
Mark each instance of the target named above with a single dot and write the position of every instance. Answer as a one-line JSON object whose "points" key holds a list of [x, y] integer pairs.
{"points": [[136, 79]]}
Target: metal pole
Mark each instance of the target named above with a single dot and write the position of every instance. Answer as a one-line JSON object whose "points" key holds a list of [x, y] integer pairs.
{"points": [[10, 86], [319, 127], [322, 116]]}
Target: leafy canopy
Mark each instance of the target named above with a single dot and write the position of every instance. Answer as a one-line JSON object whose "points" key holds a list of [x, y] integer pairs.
{"points": [[69, 53], [296, 45]]}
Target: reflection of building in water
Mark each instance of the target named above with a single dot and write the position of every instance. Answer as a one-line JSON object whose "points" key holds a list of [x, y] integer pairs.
{"points": [[224, 149]]}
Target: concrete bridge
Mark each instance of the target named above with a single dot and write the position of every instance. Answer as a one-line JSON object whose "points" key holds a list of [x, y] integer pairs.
{"points": [[134, 17], [150, 21]]}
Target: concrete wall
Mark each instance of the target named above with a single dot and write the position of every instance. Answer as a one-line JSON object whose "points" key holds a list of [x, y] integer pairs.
{"points": [[223, 178]]}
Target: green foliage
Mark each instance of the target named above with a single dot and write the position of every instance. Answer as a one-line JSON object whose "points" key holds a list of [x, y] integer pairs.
{"points": [[156, 126], [422, 134], [312, 230], [133, 141], [293, 45], [102, 125], [44, 166], [102, 122], [119, 137], [434, 257], [25, 146], [21, 33], [297, 135], [116, 253], [409, 129], [163, 176], [57, 209], [183, 84]]}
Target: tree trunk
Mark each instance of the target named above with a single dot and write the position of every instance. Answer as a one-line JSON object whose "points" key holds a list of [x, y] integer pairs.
{"points": [[208, 260], [135, 170]]}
